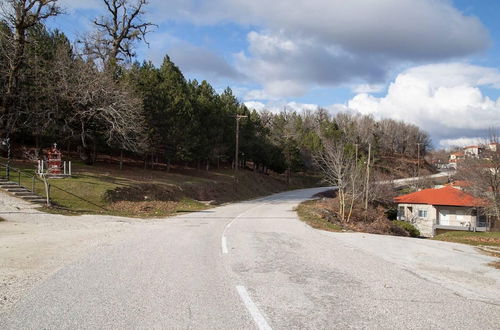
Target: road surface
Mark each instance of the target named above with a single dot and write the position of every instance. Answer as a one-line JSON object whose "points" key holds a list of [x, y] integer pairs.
{"points": [[253, 265]]}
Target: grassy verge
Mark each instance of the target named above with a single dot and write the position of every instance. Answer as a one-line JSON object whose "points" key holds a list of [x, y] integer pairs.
{"points": [[135, 191], [308, 212], [471, 238]]}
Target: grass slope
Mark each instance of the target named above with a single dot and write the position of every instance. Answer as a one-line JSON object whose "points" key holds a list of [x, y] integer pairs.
{"points": [[471, 238], [309, 213], [135, 191]]}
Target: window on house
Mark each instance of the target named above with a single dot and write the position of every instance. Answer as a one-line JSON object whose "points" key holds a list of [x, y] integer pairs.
{"points": [[401, 213], [422, 213]]}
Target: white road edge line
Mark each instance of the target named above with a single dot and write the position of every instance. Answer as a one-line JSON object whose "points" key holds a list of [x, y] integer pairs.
{"points": [[252, 308], [224, 245], [223, 238]]}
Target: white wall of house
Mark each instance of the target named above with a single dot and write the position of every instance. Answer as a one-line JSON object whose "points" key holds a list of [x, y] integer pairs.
{"points": [[424, 217], [455, 216]]}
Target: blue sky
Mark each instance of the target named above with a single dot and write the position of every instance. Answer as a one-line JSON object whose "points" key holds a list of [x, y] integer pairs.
{"points": [[434, 63]]}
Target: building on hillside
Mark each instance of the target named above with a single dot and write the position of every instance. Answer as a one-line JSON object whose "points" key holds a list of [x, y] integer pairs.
{"points": [[494, 146], [473, 151], [459, 184], [433, 211], [455, 158]]}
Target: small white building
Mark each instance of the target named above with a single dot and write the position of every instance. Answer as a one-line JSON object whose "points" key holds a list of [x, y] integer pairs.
{"points": [[473, 151], [433, 211]]}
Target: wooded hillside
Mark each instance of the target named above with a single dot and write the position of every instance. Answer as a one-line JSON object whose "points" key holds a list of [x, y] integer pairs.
{"points": [[94, 96]]}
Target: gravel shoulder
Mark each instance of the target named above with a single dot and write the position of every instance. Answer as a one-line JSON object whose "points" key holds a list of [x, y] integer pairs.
{"points": [[34, 245], [458, 267]]}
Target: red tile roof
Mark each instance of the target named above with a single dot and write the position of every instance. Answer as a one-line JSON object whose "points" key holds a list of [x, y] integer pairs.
{"points": [[444, 196], [459, 183]]}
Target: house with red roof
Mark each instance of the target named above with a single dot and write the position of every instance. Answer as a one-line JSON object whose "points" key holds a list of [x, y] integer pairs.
{"points": [[455, 158], [473, 151], [438, 210]]}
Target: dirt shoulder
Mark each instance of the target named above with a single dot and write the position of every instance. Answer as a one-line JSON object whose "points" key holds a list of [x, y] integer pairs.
{"points": [[34, 245]]}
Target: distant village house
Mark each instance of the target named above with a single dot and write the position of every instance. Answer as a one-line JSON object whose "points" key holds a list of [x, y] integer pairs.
{"points": [[433, 211]]}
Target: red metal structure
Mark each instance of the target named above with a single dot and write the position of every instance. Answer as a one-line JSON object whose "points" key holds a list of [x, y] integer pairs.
{"points": [[54, 160]]}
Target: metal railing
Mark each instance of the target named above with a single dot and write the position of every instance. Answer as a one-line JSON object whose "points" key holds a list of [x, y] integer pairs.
{"points": [[47, 186], [18, 174]]}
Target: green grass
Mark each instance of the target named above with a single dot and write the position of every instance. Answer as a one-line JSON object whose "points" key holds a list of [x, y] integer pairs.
{"points": [[308, 213], [471, 238], [88, 191]]}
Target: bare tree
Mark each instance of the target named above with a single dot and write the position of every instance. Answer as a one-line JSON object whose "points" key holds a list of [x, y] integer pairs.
{"points": [[101, 108], [20, 15], [483, 175], [340, 168], [116, 33]]}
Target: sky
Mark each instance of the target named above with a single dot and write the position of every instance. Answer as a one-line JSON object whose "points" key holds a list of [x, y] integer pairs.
{"points": [[433, 63]]}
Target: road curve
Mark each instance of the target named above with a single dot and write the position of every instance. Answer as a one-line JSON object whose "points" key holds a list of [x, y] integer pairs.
{"points": [[253, 265]]}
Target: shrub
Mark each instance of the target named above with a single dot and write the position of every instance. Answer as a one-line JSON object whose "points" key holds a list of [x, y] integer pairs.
{"points": [[414, 232], [392, 213]]}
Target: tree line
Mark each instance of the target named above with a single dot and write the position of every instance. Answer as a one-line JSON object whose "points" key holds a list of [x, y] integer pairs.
{"points": [[95, 96]]}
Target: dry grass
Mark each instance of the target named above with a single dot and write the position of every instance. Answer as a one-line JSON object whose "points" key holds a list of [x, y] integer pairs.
{"points": [[147, 192], [309, 213], [495, 264], [471, 238], [149, 209], [322, 214]]}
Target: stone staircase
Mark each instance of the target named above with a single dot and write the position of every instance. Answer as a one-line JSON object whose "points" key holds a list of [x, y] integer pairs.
{"points": [[21, 192]]}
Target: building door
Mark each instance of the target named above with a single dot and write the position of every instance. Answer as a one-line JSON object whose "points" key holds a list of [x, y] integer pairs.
{"points": [[444, 217]]}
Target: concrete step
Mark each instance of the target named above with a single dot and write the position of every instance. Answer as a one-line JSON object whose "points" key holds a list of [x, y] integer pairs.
{"points": [[21, 192], [14, 190], [38, 201], [9, 185], [30, 196], [24, 193]]}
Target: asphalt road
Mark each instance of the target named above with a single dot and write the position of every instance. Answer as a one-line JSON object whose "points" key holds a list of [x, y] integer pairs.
{"points": [[253, 265]]}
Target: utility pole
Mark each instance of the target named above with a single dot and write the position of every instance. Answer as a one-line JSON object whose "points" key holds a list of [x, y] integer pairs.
{"points": [[6, 142], [238, 117], [368, 175], [418, 159]]}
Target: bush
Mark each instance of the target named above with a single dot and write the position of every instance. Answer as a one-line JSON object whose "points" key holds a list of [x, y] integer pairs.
{"points": [[414, 232], [392, 213]]}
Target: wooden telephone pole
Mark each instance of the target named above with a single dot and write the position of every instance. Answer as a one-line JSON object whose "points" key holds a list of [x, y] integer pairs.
{"points": [[368, 175], [238, 117], [418, 159]]}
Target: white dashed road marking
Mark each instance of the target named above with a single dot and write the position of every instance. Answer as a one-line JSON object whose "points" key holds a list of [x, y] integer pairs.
{"points": [[252, 308]]}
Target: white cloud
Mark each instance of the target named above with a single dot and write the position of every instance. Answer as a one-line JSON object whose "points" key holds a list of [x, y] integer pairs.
{"points": [[405, 28], [255, 105], [367, 88], [443, 99], [308, 43], [278, 106], [459, 142], [303, 44], [289, 68]]}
